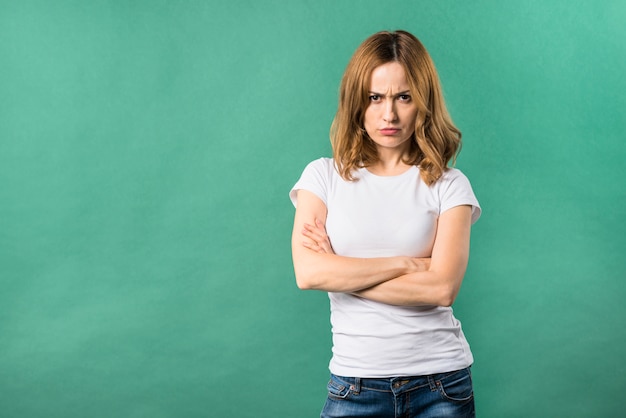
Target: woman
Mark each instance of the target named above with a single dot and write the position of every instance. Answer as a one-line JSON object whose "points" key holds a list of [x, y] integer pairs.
{"points": [[384, 228]]}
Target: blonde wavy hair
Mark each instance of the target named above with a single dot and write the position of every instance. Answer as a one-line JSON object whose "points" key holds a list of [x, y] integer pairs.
{"points": [[436, 140]]}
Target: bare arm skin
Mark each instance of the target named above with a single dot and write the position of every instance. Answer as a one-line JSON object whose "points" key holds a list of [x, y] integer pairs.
{"points": [[438, 282], [320, 270]]}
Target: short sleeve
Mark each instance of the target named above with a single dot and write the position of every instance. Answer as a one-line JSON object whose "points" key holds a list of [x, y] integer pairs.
{"points": [[315, 179], [455, 190]]}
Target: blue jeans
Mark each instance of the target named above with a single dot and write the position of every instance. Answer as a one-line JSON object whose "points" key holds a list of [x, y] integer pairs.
{"points": [[438, 395]]}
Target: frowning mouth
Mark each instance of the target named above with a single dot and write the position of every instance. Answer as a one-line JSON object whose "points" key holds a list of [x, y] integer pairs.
{"points": [[389, 131]]}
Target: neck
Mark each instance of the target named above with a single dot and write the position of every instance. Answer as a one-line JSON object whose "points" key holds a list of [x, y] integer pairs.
{"points": [[390, 163]]}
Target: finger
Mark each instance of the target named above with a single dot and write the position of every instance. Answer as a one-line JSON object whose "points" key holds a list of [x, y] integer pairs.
{"points": [[312, 233], [313, 246], [319, 229], [312, 236], [320, 225], [310, 229]]}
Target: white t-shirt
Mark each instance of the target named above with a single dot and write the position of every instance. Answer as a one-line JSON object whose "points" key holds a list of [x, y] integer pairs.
{"points": [[379, 216]]}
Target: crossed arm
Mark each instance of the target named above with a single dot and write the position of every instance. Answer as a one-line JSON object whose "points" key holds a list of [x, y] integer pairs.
{"points": [[393, 280]]}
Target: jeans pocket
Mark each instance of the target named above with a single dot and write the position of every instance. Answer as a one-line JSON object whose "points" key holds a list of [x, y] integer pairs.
{"points": [[338, 389], [457, 386]]}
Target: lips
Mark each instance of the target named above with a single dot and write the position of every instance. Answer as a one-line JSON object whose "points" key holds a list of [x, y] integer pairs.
{"points": [[389, 131]]}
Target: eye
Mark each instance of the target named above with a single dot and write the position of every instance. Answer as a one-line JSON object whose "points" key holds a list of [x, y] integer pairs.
{"points": [[374, 98], [404, 98]]}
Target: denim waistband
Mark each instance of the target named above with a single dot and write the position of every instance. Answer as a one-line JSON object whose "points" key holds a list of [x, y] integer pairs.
{"points": [[395, 384]]}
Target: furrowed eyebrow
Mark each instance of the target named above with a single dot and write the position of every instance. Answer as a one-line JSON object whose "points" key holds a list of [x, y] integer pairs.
{"points": [[402, 93]]}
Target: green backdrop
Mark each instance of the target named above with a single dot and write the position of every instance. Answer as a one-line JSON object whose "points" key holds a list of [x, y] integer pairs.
{"points": [[146, 152]]}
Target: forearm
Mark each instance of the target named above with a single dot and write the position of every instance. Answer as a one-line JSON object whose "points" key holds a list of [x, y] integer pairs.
{"points": [[416, 289], [333, 273], [317, 267], [441, 282]]}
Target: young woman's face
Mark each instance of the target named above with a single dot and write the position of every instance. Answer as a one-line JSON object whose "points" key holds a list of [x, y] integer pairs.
{"points": [[390, 115]]}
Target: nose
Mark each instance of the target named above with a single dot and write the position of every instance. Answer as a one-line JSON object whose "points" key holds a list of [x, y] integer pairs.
{"points": [[389, 112]]}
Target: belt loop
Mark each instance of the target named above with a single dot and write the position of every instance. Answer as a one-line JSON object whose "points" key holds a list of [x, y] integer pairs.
{"points": [[432, 383], [356, 387]]}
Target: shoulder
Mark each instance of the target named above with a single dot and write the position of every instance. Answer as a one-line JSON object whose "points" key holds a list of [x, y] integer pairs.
{"points": [[454, 188], [323, 164], [452, 178], [316, 177], [322, 168], [452, 174]]}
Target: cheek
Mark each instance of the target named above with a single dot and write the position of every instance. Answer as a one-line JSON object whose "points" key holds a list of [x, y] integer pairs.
{"points": [[367, 116], [411, 117], [368, 119]]}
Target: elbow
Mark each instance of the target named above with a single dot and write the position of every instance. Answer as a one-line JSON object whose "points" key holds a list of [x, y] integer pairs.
{"points": [[447, 286], [304, 281], [446, 301], [310, 276], [306, 271], [447, 295], [303, 284]]}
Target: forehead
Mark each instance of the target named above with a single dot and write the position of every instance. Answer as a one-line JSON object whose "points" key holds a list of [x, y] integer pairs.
{"points": [[389, 77]]}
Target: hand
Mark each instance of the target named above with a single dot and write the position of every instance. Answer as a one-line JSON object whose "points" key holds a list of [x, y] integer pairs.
{"points": [[319, 241], [421, 264]]}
